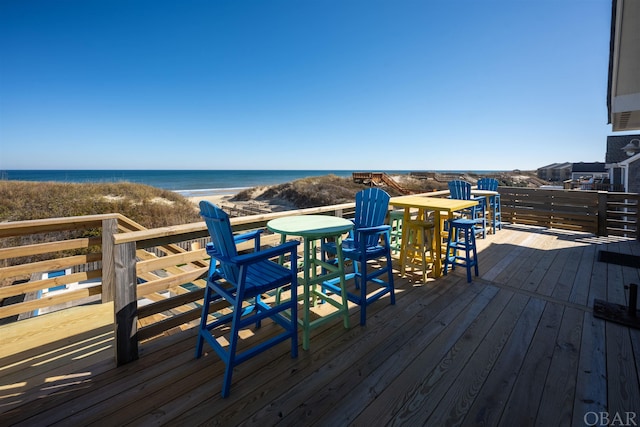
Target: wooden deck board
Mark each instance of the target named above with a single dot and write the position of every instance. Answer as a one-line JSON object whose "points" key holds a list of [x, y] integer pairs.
{"points": [[489, 404], [556, 405], [622, 376], [591, 384], [429, 319], [473, 359], [437, 337], [522, 406], [518, 346]]}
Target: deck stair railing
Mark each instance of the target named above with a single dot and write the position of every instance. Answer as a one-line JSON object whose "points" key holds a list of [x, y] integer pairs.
{"points": [[155, 278], [377, 178]]}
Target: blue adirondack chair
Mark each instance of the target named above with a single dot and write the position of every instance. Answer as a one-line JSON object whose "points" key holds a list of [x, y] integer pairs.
{"points": [[491, 184], [461, 190], [245, 278], [369, 240]]}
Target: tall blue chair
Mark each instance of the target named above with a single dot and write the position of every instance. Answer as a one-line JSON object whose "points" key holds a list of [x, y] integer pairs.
{"points": [[491, 184], [461, 190], [369, 240], [244, 278]]}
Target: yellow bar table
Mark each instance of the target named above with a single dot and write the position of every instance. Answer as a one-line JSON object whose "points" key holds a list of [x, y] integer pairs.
{"points": [[436, 204]]}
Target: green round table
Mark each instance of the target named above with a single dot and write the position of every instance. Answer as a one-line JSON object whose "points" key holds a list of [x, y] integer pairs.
{"points": [[312, 228]]}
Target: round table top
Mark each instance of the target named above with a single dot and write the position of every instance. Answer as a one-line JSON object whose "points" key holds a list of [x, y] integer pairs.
{"points": [[310, 226]]}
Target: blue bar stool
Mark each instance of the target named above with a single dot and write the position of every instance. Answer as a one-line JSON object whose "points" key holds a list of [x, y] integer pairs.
{"points": [[461, 238], [461, 190], [492, 184]]}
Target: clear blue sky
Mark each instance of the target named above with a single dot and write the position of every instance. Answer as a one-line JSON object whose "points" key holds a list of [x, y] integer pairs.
{"points": [[303, 84]]}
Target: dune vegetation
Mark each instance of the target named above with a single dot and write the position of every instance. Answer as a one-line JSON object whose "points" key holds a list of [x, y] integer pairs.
{"points": [[149, 206]]}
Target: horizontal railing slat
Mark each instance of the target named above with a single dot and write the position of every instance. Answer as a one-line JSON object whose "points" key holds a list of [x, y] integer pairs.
{"points": [[49, 265], [37, 285], [48, 301]]}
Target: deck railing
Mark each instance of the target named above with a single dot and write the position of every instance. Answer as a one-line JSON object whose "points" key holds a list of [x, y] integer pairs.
{"points": [[598, 212], [29, 251], [156, 277]]}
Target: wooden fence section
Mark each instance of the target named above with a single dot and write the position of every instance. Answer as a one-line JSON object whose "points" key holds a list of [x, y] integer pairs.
{"points": [[156, 277], [599, 212], [573, 210]]}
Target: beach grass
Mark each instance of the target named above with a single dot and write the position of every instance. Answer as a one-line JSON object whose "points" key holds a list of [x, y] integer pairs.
{"points": [[149, 206]]}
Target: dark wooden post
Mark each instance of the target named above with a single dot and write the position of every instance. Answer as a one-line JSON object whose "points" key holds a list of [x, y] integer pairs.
{"points": [[602, 213], [125, 303], [109, 228]]}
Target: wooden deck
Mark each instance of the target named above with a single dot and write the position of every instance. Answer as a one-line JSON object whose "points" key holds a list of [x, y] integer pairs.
{"points": [[517, 347]]}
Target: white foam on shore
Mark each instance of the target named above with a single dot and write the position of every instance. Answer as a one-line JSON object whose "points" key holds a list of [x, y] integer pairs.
{"points": [[203, 192]]}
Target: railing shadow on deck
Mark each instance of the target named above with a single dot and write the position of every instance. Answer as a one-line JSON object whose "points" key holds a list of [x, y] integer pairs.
{"points": [[54, 355]]}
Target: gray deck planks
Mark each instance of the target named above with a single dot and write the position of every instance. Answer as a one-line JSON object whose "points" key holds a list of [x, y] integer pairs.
{"points": [[461, 395], [412, 386], [556, 404], [622, 377], [377, 378], [488, 406], [522, 406], [591, 384], [580, 288]]}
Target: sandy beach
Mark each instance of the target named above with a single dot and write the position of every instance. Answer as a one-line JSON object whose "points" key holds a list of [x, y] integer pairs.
{"points": [[216, 200], [238, 208]]}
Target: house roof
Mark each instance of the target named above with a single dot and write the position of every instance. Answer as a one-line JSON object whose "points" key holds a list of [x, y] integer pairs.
{"points": [[557, 166], [615, 143], [623, 95]]}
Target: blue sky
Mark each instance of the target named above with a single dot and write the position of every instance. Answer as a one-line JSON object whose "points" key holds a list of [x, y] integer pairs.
{"points": [[303, 84]]}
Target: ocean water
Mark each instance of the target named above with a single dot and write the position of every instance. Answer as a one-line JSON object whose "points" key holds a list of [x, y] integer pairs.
{"points": [[186, 182]]}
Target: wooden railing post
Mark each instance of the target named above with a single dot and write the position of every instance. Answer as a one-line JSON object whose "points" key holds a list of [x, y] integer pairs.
{"points": [[109, 228], [125, 303], [602, 213]]}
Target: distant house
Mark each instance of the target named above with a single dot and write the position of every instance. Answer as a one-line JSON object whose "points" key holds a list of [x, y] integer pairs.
{"points": [[555, 172], [582, 175], [588, 176], [587, 170], [622, 162]]}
